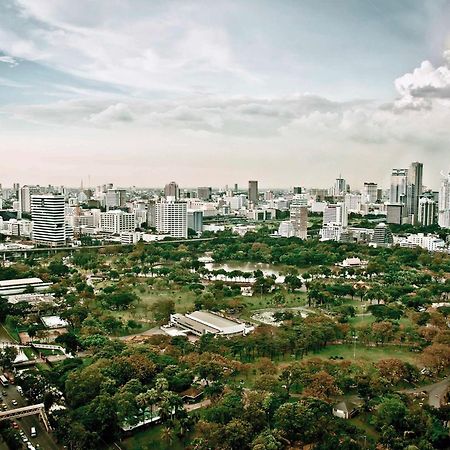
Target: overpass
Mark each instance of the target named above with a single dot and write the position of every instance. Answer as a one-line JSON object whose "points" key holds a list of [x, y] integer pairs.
{"points": [[27, 411], [49, 250]]}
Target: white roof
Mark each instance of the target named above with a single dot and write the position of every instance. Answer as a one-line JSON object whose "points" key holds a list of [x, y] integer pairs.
{"points": [[54, 322], [20, 281]]}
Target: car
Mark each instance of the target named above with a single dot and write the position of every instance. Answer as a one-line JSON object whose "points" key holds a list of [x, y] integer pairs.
{"points": [[33, 432], [15, 425], [14, 402], [25, 439], [4, 393], [4, 407]]}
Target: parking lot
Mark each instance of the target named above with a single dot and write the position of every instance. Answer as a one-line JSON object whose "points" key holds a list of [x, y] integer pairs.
{"points": [[43, 440]]}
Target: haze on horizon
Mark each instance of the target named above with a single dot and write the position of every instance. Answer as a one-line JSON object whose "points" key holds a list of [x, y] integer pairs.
{"points": [[288, 93]]}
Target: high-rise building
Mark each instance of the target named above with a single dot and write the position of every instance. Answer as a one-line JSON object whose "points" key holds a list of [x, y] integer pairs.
{"points": [[297, 190], [204, 193], [382, 235], [25, 193], [370, 193], [426, 214], [116, 198], [336, 214], [299, 218], [394, 213], [172, 190], [195, 220], [340, 187], [414, 191], [253, 194], [48, 215], [444, 203], [151, 213], [117, 221], [398, 186], [171, 218]]}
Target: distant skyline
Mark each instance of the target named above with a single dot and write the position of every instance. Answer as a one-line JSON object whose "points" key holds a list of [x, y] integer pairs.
{"points": [[287, 92]]}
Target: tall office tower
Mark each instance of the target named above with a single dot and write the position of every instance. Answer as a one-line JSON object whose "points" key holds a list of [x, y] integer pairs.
{"points": [[414, 191], [172, 190], [298, 216], [16, 187], [370, 193], [398, 186], [253, 194], [426, 214], [25, 193], [336, 214], [204, 193], [48, 215], [297, 190], [151, 213], [394, 213], [171, 218], [353, 202], [236, 187], [340, 187], [444, 203], [116, 198]]}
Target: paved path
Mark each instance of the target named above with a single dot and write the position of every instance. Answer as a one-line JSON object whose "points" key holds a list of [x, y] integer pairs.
{"points": [[436, 392]]}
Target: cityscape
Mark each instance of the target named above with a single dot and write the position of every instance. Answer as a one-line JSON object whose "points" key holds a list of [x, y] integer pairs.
{"points": [[225, 225]]}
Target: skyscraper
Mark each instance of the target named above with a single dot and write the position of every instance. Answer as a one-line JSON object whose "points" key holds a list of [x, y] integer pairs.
{"points": [[25, 193], [426, 213], [172, 190], [414, 191], [116, 198], [253, 194], [48, 215], [340, 187], [398, 186], [444, 202], [335, 214], [204, 193]]}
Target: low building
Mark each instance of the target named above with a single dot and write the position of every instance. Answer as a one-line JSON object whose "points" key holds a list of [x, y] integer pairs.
{"points": [[346, 409], [21, 285], [54, 322], [202, 322]]}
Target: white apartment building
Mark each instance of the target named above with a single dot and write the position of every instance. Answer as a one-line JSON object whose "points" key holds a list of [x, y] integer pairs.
{"points": [[117, 221], [370, 193], [171, 218], [331, 232], [353, 202], [48, 215], [299, 218], [286, 229], [428, 242], [336, 214]]}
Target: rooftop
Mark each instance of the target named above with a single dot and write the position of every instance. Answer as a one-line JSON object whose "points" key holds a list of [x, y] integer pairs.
{"points": [[19, 282]]}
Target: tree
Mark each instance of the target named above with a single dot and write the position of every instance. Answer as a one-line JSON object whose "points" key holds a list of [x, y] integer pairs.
{"points": [[7, 357], [237, 434], [436, 357], [322, 385], [162, 309]]}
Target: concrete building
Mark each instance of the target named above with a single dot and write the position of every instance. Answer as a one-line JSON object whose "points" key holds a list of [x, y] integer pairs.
{"points": [[116, 198], [172, 190], [414, 191], [195, 220], [25, 193], [117, 221], [370, 193], [171, 218], [394, 213], [286, 229], [203, 322], [19, 286], [398, 186], [204, 193], [298, 215], [49, 225], [382, 235], [335, 214], [426, 212], [331, 232], [340, 187], [253, 193], [353, 202], [444, 203]]}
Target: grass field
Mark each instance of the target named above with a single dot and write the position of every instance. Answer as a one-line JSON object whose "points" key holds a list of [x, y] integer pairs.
{"points": [[368, 354], [151, 439]]}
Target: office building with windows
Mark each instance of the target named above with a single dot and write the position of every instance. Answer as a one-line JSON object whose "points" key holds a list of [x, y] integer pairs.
{"points": [[171, 218]]}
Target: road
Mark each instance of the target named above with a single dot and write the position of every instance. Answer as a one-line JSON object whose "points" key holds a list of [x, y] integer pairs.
{"points": [[436, 392], [44, 439]]}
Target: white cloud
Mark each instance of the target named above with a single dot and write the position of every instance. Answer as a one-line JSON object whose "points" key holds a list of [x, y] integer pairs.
{"points": [[9, 60], [119, 112]]}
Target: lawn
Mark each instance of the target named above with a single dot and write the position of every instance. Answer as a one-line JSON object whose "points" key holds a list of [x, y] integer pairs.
{"points": [[368, 354], [151, 439], [266, 301], [141, 311]]}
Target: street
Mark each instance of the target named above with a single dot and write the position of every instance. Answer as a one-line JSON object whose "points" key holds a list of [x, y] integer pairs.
{"points": [[44, 439]]}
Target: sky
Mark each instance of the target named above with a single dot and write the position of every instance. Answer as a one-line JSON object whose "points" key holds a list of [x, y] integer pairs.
{"points": [[288, 92]]}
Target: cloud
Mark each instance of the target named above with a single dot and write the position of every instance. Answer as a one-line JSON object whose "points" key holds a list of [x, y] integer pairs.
{"points": [[119, 112], [12, 62], [426, 82]]}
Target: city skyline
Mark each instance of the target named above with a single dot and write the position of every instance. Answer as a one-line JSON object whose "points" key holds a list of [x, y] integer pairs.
{"points": [[139, 93]]}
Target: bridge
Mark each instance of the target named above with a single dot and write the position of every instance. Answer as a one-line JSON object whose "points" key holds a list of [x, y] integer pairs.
{"points": [[27, 411]]}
